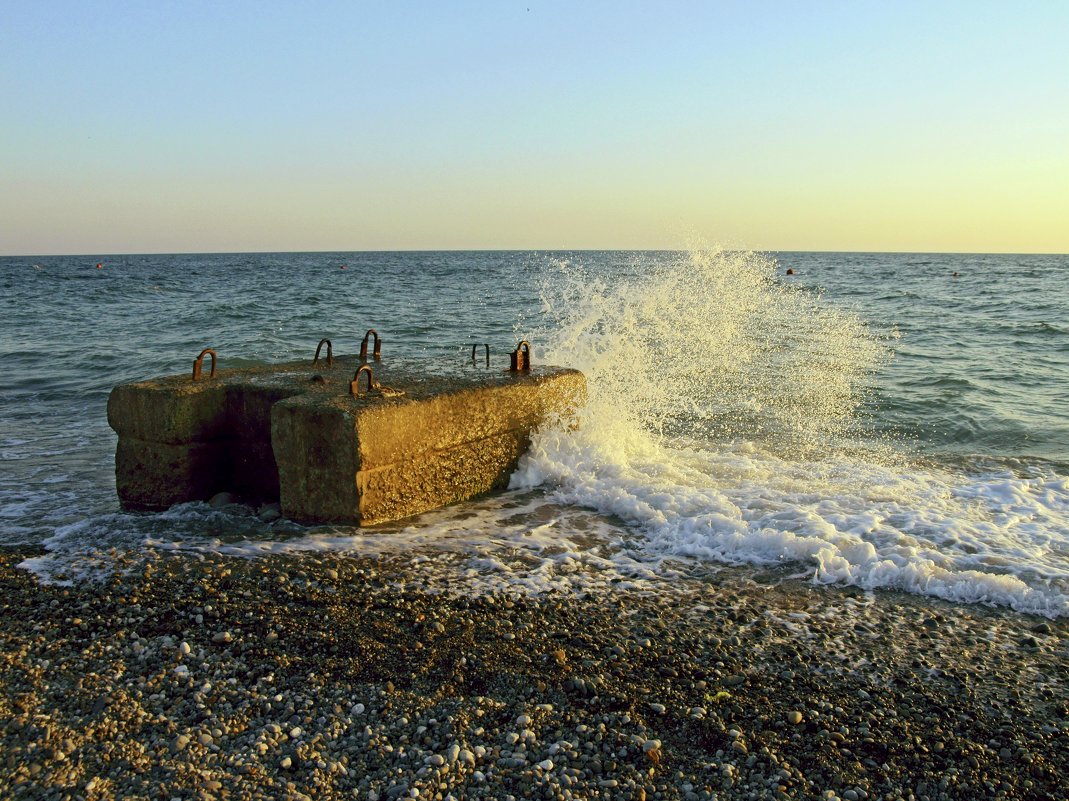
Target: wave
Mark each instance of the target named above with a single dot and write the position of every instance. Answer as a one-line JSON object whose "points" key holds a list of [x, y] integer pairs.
{"points": [[1050, 328], [725, 423]]}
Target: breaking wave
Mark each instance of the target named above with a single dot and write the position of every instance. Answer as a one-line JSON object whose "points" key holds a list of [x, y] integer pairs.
{"points": [[729, 420]]}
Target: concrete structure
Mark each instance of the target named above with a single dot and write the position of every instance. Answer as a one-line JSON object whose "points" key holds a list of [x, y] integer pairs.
{"points": [[294, 433]]}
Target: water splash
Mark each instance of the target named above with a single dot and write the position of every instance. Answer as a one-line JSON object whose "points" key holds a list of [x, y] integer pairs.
{"points": [[725, 423], [708, 344]]}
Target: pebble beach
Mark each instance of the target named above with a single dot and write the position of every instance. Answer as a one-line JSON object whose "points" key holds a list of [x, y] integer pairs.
{"points": [[205, 676]]}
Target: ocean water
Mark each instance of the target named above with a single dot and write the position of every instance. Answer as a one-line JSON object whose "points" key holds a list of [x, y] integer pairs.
{"points": [[883, 420]]}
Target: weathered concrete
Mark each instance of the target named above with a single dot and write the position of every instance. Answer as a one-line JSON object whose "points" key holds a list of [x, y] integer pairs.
{"points": [[293, 432]]}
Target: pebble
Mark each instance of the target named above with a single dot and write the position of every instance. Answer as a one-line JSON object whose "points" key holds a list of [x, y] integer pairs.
{"points": [[221, 499], [251, 721], [269, 512]]}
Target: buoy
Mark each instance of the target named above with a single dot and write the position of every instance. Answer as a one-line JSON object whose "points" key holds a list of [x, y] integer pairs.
{"points": [[100, 266], [790, 271]]}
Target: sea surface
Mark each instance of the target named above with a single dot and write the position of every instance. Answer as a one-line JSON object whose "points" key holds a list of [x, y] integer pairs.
{"points": [[882, 420]]}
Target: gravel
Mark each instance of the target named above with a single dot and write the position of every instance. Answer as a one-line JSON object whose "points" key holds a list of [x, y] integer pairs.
{"points": [[328, 677]]}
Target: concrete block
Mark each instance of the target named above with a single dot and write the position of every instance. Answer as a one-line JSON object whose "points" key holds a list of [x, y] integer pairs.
{"points": [[316, 451], [438, 478], [157, 475], [251, 472], [295, 433], [173, 410]]}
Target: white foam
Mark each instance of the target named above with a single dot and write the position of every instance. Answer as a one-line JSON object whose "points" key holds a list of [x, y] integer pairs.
{"points": [[717, 340], [517, 541]]}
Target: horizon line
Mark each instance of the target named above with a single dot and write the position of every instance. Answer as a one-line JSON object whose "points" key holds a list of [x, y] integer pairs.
{"points": [[102, 254]]}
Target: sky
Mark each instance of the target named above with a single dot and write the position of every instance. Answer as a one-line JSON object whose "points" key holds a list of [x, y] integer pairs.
{"points": [[133, 127]]}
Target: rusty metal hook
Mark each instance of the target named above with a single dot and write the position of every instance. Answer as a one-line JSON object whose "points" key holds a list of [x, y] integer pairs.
{"points": [[199, 361], [330, 352], [378, 345], [354, 386], [521, 357], [485, 345]]}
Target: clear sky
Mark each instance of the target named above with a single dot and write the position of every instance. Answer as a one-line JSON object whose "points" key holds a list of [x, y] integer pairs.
{"points": [[165, 126]]}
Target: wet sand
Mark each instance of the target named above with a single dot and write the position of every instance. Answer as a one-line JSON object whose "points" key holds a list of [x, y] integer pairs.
{"points": [[330, 677]]}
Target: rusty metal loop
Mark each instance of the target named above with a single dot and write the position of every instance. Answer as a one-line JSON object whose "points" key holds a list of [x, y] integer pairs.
{"points": [[354, 386], [330, 352], [198, 363], [485, 345], [521, 357], [378, 345]]}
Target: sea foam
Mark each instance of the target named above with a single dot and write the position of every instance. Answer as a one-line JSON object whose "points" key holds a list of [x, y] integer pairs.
{"points": [[726, 423]]}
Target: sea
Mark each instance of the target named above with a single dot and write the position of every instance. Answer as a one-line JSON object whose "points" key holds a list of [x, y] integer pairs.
{"points": [[870, 419]]}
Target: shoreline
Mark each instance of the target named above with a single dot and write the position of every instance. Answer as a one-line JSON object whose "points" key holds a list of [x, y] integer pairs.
{"points": [[332, 676]]}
